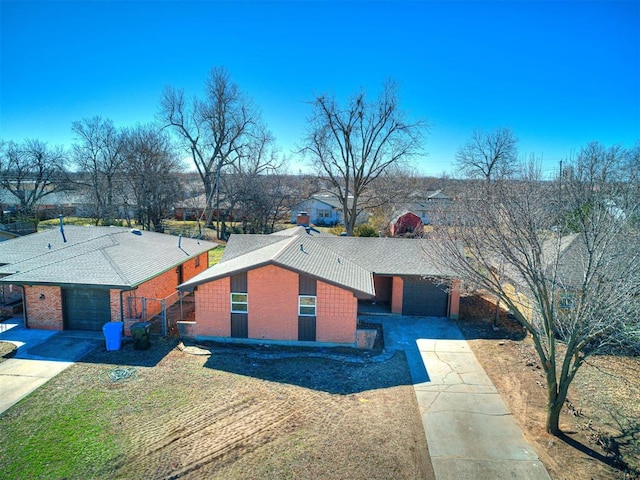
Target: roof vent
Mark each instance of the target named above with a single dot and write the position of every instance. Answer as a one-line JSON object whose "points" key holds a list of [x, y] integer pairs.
{"points": [[136, 231]]}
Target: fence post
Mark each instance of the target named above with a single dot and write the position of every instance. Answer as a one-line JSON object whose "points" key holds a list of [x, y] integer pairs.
{"points": [[163, 305]]}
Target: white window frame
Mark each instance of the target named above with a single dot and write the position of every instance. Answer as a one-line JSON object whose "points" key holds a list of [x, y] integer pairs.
{"points": [[236, 302], [324, 213], [301, 306], [567, 301]]}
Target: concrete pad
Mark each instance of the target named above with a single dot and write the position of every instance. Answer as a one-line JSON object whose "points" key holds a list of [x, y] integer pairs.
{"points": [[455, 388], [41, 355], [15, 388], [472, 469], [20, 377], [454, 403], [61, 347], [472, 435], [32, 368], [470, 432], [12, 331]]}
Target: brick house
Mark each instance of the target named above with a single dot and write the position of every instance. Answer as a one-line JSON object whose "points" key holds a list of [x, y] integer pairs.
{"points": [[300, 285], [93, 275]]}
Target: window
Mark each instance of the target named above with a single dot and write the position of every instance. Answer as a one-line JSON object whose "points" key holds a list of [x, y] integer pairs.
{"points": [[322, 213], [567, 300], [239, 303], [197, 261], [307, 305]]}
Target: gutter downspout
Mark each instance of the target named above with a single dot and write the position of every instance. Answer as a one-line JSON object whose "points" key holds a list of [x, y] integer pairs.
{"points": [[121, 306], [24, 307]]}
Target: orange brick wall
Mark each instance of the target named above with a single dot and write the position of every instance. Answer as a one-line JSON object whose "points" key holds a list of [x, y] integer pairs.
{"points": [[189, 269], [164, 286], [213, 307], [44, 313], [114, 300], [454, 300], [396, 295], [273, 303], [47, 313], [337, 311], [273, 308], [383, 287]]}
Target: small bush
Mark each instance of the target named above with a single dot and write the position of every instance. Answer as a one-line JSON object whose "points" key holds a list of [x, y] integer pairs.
{"points": [[365, 230]]}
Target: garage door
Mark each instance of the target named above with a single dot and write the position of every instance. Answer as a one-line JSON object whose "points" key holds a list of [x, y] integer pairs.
{"points": [[85, 308], [424, 297]]}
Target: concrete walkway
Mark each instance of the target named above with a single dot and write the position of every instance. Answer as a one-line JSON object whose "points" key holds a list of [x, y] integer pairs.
{"points": [[41, 355], [470, 433]]}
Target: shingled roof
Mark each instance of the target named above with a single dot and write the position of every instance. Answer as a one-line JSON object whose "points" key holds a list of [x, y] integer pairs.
{"points": [[108, 257], [348, 262]]}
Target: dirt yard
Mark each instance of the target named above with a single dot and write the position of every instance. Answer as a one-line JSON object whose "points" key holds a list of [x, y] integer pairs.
{"points": [[601, 420], [7, 350], [258, 413]]}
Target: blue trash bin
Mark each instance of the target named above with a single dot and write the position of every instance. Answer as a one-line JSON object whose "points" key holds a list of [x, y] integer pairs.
{"points": [[113, 335]]}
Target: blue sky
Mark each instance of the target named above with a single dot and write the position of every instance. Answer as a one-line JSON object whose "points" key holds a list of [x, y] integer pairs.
{"points": [[560, 74]]}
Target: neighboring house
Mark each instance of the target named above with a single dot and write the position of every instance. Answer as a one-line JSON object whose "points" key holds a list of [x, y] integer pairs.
{"points": [[432, 203], [302, 285], [93, 275], [324, 209], [67, 203], [410, 218], [12, 230], [195, 208], [566, 280]]}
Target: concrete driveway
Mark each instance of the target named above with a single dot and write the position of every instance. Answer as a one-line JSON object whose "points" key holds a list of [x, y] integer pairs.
{"points": [[41, 355], [470, 433]]}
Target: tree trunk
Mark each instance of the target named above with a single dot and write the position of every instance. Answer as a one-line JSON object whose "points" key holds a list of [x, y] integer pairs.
{"points": [[555, 402]]}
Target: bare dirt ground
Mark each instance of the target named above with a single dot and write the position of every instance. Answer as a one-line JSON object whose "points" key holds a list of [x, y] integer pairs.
{"points": [[601, 420], [7, 350], [253, 412]]}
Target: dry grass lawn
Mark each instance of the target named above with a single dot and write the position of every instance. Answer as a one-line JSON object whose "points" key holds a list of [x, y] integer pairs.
{"points": [[240, 413], [601, 420]]}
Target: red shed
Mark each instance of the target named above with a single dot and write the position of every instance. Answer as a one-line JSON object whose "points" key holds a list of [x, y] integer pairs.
{"points": [[407, 223]]}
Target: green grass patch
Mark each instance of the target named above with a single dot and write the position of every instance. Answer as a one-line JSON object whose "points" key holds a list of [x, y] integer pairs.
{"points": [[61, 439], [215, 255]]}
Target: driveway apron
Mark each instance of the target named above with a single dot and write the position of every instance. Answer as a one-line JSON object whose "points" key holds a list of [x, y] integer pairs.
{"points": [[41, 355], [470, 433]]}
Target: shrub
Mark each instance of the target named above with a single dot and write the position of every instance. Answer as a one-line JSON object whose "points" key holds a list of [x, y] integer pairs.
{"points": [[365, 230]]}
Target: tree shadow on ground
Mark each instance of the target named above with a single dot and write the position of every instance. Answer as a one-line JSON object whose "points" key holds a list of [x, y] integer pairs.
{"points": [[617, 447], [478, 321], [328, 370], [158, 349], [613, 459]]}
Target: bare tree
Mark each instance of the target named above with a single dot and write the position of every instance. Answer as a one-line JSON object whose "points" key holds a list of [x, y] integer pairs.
{"points": [[353, 145], [559, 257], [216, 131], [254, 185], [489, 155], [393, 191], [30, 171], [151, 170], [98, 153]]}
